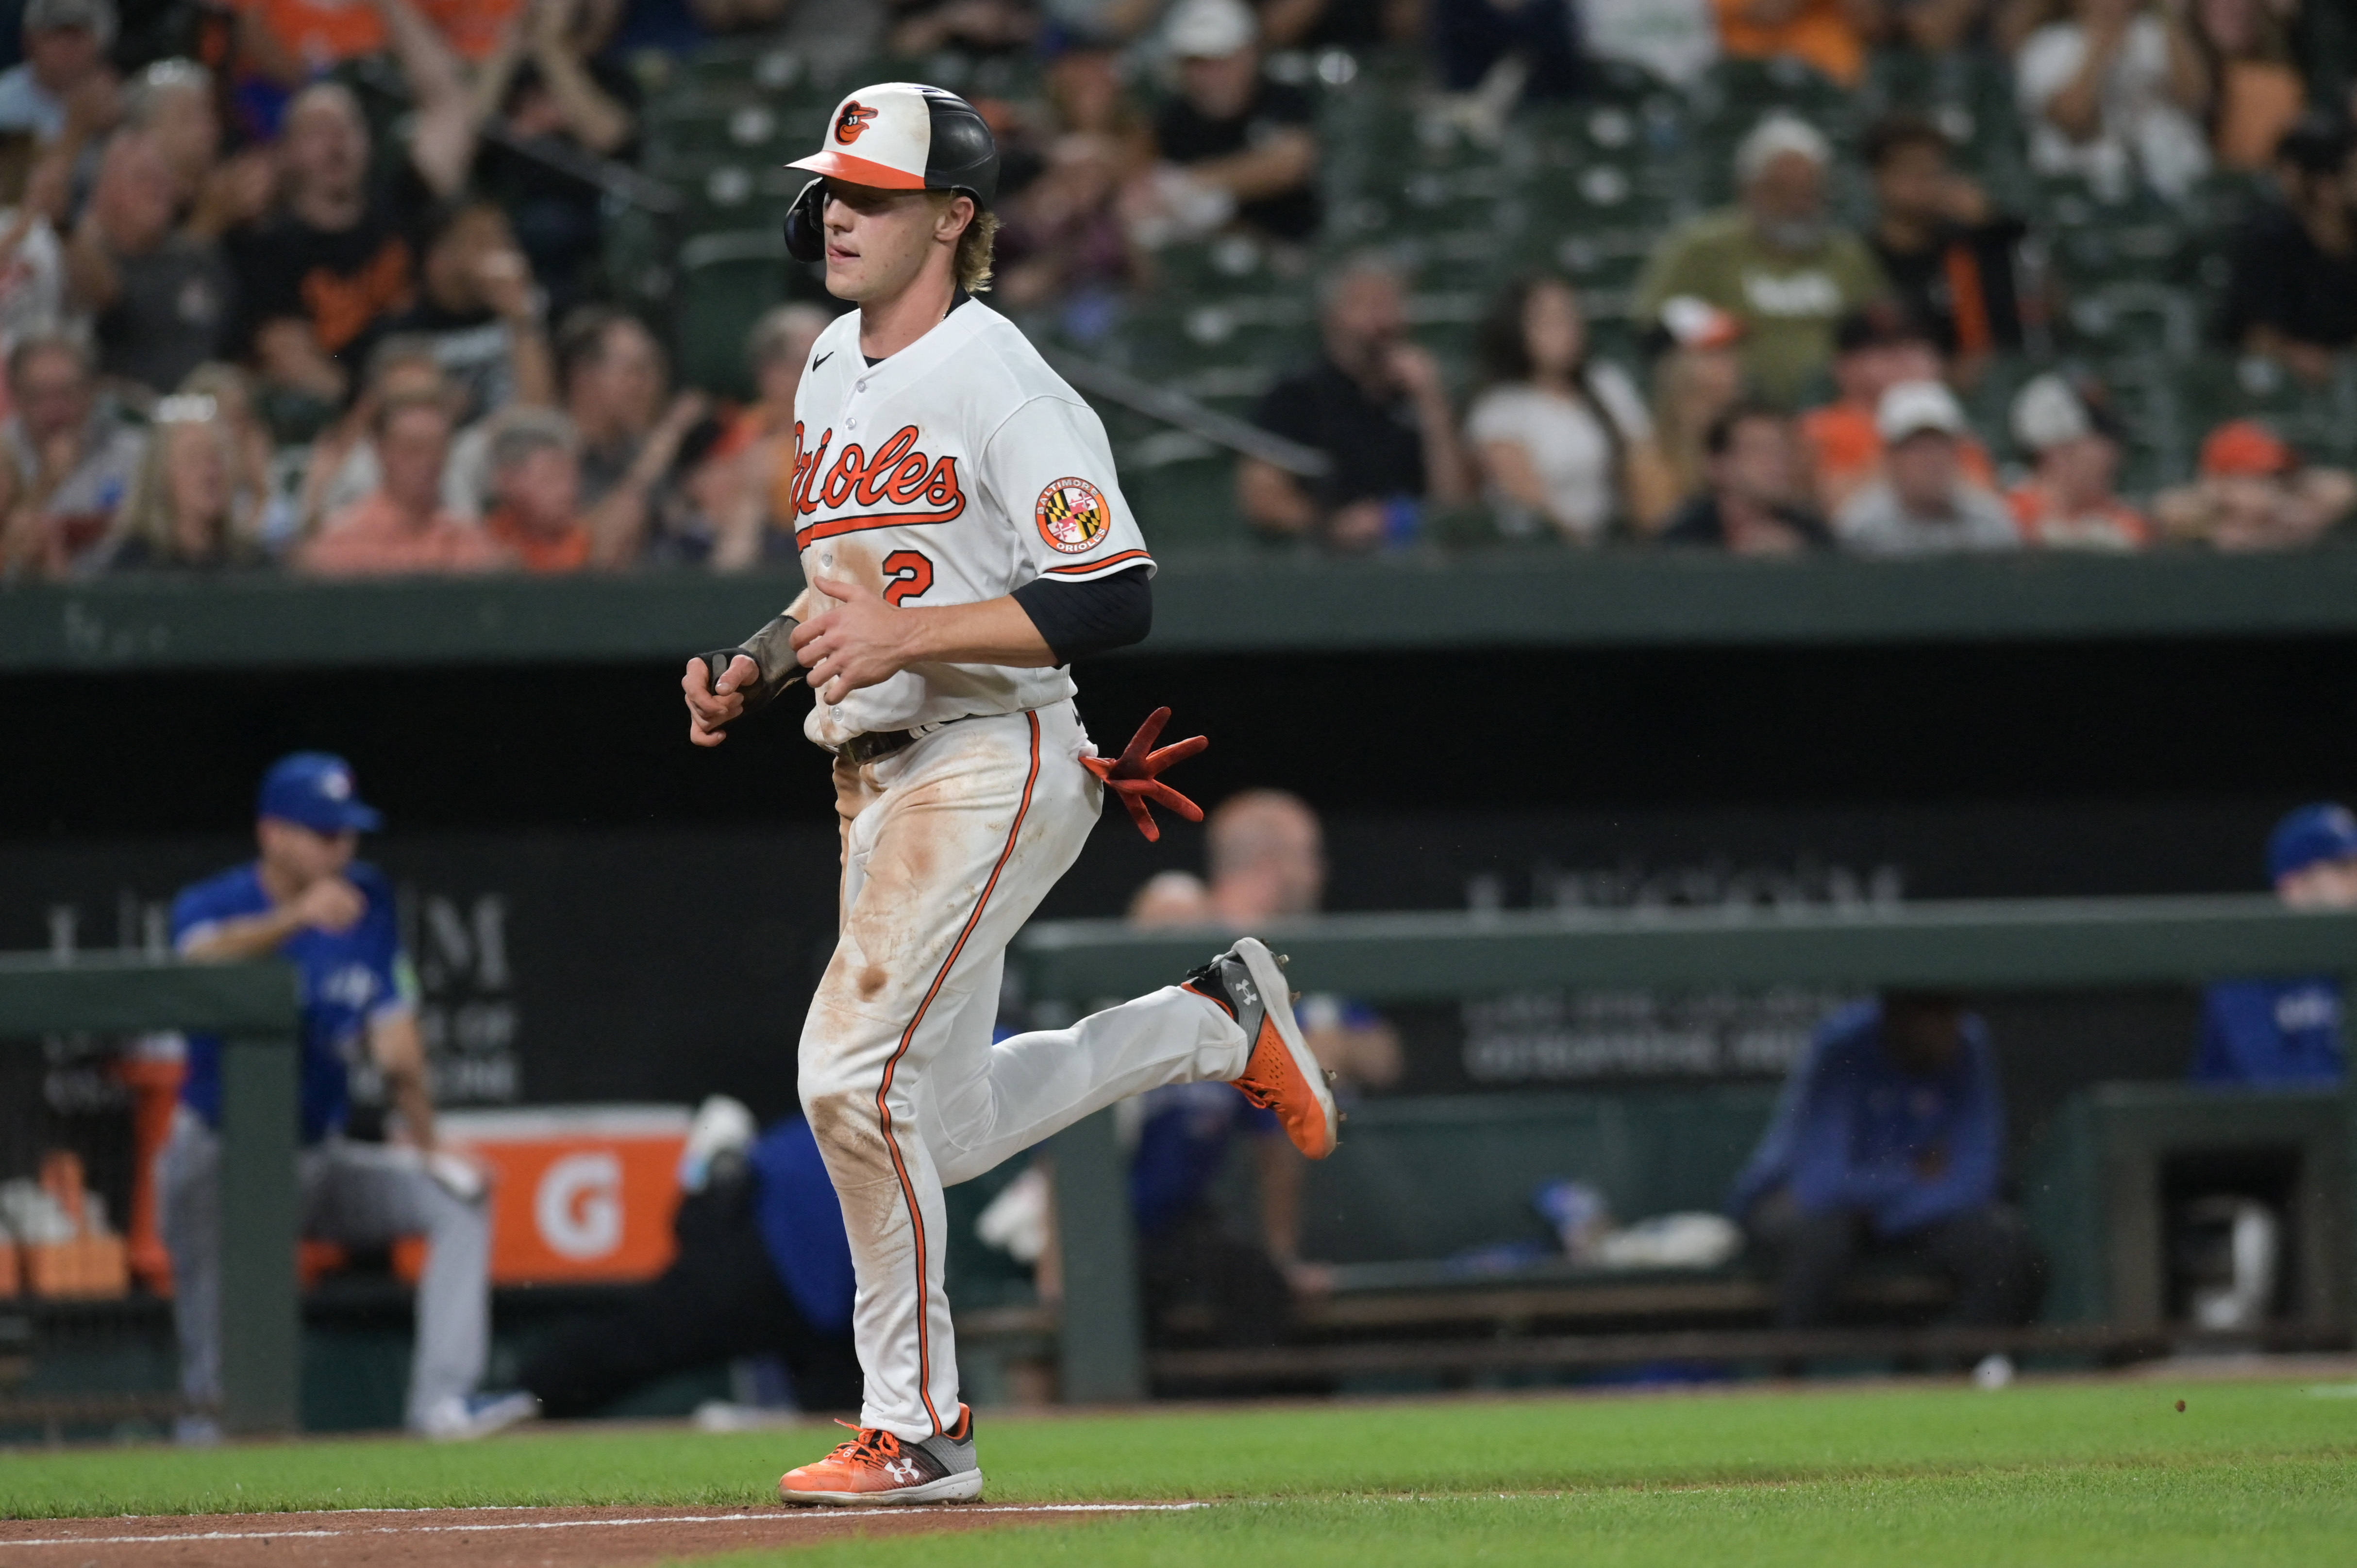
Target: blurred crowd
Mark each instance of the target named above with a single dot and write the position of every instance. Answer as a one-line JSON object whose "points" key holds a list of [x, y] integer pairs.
{"points": [[318, 285]]}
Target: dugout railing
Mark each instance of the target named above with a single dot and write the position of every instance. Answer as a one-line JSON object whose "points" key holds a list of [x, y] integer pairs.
{"points": [[253, 1008], [1240, 601], [2012, 945]]}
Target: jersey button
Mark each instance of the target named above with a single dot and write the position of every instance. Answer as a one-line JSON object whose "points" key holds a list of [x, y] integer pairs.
{"points": [[859, 386], [851, 424]]}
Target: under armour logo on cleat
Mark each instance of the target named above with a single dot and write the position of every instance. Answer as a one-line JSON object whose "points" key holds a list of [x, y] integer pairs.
{"points": [[901, 1470]]}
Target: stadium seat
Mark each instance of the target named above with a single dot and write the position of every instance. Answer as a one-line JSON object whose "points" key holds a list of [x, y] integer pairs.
{"points": [[726, 282]]}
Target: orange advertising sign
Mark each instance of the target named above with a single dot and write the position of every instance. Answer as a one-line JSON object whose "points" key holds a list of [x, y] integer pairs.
{"points": [[579, 1194]]}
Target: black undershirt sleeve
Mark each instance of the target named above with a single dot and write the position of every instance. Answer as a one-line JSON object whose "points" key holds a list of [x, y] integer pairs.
{"points": [[1076, 619]]}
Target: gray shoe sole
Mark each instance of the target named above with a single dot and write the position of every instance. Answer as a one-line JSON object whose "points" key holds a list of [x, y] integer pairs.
{"points": [[965, 1487], [1277, 997]]}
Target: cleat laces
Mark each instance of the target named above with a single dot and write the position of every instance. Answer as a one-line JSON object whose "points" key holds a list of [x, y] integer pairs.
{"points": [[869, 1445]]}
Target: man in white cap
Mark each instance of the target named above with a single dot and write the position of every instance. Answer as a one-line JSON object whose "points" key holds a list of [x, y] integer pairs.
{"points": [[1774, 260], [965, 539], [1232, 131], [65, 56], [2068, 502], [1923, 504]]}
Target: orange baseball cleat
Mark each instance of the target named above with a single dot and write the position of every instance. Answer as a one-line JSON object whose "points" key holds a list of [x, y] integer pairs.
{"points": [[875, 1469], [1248, 985]]}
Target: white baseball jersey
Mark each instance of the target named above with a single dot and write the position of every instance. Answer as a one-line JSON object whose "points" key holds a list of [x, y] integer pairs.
{"points": [[949, 473]]}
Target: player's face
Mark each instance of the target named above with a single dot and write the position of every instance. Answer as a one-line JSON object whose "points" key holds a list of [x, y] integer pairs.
{"points": [[301, 855], [878, 241], [1921, 1033], [2327, 884]]}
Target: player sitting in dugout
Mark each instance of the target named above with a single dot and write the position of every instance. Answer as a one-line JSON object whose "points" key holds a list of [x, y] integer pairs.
{"points": [[2287, 1031], [307, 900], [1889, 1138]]}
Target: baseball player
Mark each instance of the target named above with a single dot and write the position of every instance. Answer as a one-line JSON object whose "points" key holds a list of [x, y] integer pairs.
{"points": [[965, 539]]}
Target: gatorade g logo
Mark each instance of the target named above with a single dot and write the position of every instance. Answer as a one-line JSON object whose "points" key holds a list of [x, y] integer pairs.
{"points": [[852, 120], [1073, 516], [578, 1206]]}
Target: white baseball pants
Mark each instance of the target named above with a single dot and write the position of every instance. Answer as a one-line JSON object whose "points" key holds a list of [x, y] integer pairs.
{"points": [[363, 1194], [948, 846]]}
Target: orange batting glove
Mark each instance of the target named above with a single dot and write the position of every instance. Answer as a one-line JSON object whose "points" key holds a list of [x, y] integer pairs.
{"points": [[1132, 775]]}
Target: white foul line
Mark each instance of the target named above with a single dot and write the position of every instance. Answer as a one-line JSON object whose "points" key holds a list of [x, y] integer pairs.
{"points": [[575, 1524]]}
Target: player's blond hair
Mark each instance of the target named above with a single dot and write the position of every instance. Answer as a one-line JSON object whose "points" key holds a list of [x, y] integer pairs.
{"points": [[976, 245]]}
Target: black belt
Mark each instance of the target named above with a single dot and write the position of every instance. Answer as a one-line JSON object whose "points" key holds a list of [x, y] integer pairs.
{"points": [[874, 746]]}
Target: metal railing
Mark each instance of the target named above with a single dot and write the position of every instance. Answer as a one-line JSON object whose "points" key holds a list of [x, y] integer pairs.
{"points": [[253, 1007], [1071, 967]]}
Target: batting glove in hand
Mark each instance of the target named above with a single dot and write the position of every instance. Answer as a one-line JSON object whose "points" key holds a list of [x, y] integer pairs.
{"points": [[772, 649], [1132, 774]]}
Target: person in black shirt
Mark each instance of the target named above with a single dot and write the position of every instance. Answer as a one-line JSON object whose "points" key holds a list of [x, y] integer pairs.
{"points": [[2293, 297], [317, 280], [556, 96], [161, 294], [476, 305], [1234, 130], [1754, 503], [1375, 407], [1949, 256]]}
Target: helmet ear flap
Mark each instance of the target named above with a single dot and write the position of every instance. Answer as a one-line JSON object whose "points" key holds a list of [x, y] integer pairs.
{"points": [[805, 223]]}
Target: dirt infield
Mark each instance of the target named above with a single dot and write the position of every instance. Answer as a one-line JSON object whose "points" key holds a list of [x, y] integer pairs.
{"points": [[490, 1538]]}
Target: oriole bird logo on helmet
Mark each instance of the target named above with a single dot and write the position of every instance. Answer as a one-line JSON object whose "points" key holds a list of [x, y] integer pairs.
{"points": [[852, 121]]}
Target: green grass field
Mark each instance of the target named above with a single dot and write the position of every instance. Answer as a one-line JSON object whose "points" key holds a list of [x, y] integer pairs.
{"points": [[2256, 1473]]}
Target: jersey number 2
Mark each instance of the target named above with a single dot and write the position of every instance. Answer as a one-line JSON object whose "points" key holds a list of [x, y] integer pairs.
{"points": [[907, 575]]}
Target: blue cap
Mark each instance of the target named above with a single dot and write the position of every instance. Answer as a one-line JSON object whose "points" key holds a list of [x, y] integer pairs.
{"points": [[2312, 834], [314, 790]]}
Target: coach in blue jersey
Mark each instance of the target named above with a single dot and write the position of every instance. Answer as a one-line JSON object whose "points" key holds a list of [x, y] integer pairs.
{"points": [[1889, 1137], [306, 899], [2287, 1031]]}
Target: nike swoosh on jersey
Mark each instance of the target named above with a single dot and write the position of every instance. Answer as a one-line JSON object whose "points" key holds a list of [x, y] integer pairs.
{"points": [[823, 358]]}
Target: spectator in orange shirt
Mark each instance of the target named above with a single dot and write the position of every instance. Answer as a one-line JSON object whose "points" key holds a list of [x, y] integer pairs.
{"points": [[401, 527], [1827, 34], [319, 278], [2253, 493], [2068, 502], [1874, 349], [292, 41], [777, 347], [536, 492], [759, 441]]}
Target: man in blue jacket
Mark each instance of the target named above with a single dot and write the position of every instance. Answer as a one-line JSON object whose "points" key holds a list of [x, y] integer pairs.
{"points": [[2287, 1031], [1889, 1138], [306, 899]]}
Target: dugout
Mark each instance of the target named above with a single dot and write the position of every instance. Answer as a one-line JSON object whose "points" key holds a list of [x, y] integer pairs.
{"points": [[1503, 731]]}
